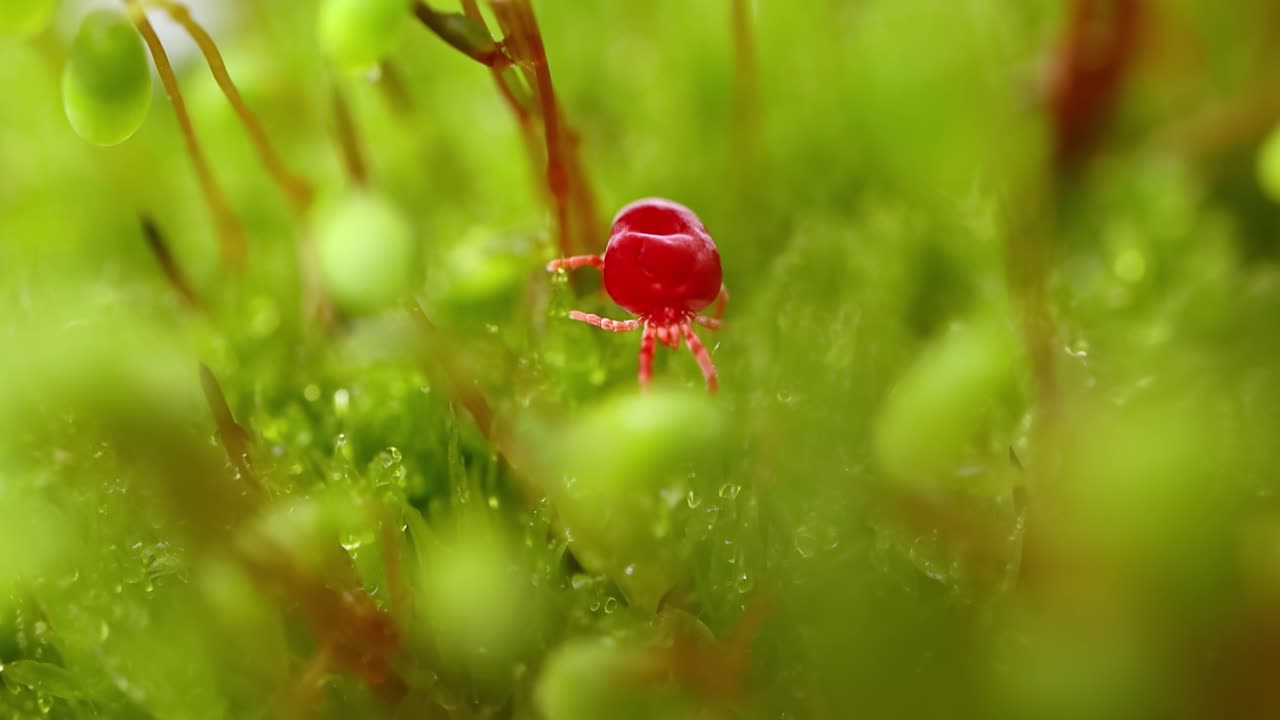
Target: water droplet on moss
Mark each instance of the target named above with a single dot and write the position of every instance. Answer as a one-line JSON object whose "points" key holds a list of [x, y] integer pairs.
{"points": [[610, 605], [729, 491], [805, 543], [693, 499]]}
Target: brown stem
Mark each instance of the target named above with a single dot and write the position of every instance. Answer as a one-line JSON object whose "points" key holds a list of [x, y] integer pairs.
{"points": [[564, 171], [357, 635], [745, 101], [394, 90], [348, 141], [295, 188], [172, 272], [481, 49], [519, 109], [234, 438], [230, 234], [445, 371], [1095, 57]]}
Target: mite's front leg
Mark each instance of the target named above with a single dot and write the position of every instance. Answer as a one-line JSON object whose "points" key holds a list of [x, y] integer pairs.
{"points": [[604, 323], [575, 262]]}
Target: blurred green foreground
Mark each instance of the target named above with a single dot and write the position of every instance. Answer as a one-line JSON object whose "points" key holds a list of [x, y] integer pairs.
{"points": [[1000, 410]]}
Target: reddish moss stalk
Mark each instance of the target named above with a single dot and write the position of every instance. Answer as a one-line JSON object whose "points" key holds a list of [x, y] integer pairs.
{"points": [[235, 440], [346, 622], [1095, 56], [348, 141], [564, 180], [231, 239], [745, 93], [570, 193], [394, 91], [450, 28], [172, 272], [521, 112], [296, 189]]}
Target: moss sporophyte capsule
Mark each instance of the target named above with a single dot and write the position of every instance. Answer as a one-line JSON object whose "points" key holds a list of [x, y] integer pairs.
{"points": [[106, 84], [661, 266]]}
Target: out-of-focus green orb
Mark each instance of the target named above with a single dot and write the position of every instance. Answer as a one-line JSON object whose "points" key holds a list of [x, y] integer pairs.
{"points": [[590, 678], [106, 84], [480, 603], [366, 252], [940, 401], [357, 34]]}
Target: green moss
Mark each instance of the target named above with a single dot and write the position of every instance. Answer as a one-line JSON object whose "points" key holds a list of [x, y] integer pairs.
{"points": [[991, 440]]}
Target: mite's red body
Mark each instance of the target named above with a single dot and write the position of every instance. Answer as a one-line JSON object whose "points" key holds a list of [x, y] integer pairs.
{"points": [[662, 266]]}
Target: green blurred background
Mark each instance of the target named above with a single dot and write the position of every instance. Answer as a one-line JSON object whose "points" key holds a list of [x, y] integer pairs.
{"points": [[1000, 377]]}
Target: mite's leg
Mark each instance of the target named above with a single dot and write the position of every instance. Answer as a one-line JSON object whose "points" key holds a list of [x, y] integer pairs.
{"points": [[669, 335], [706, 322], [604, 323], [577, 261], [702, 356], [646, 357], [722, 300]]}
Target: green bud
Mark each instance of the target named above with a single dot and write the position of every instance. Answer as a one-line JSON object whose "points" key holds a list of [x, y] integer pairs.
{"points": [[480, 603], [106, 84], [358, 34], [626, 468], [593, 678], [939, 404], [366, 251]]}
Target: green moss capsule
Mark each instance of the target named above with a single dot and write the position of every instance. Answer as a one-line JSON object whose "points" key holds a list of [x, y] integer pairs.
{"points": [[366, 252], [627, 466], [357, 34], [25, 17], [940, 402], [480, 610], [106, 84], [598, 677]]}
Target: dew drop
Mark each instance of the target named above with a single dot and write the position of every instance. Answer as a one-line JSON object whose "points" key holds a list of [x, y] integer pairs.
{"points": [[311, 392], [805, 543], [610, 605], [745, 583], [922, 554], [693, 499], [729, 491]]}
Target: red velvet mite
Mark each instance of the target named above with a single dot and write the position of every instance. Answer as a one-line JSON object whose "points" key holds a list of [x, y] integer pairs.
{"points": [[661, 266]]}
